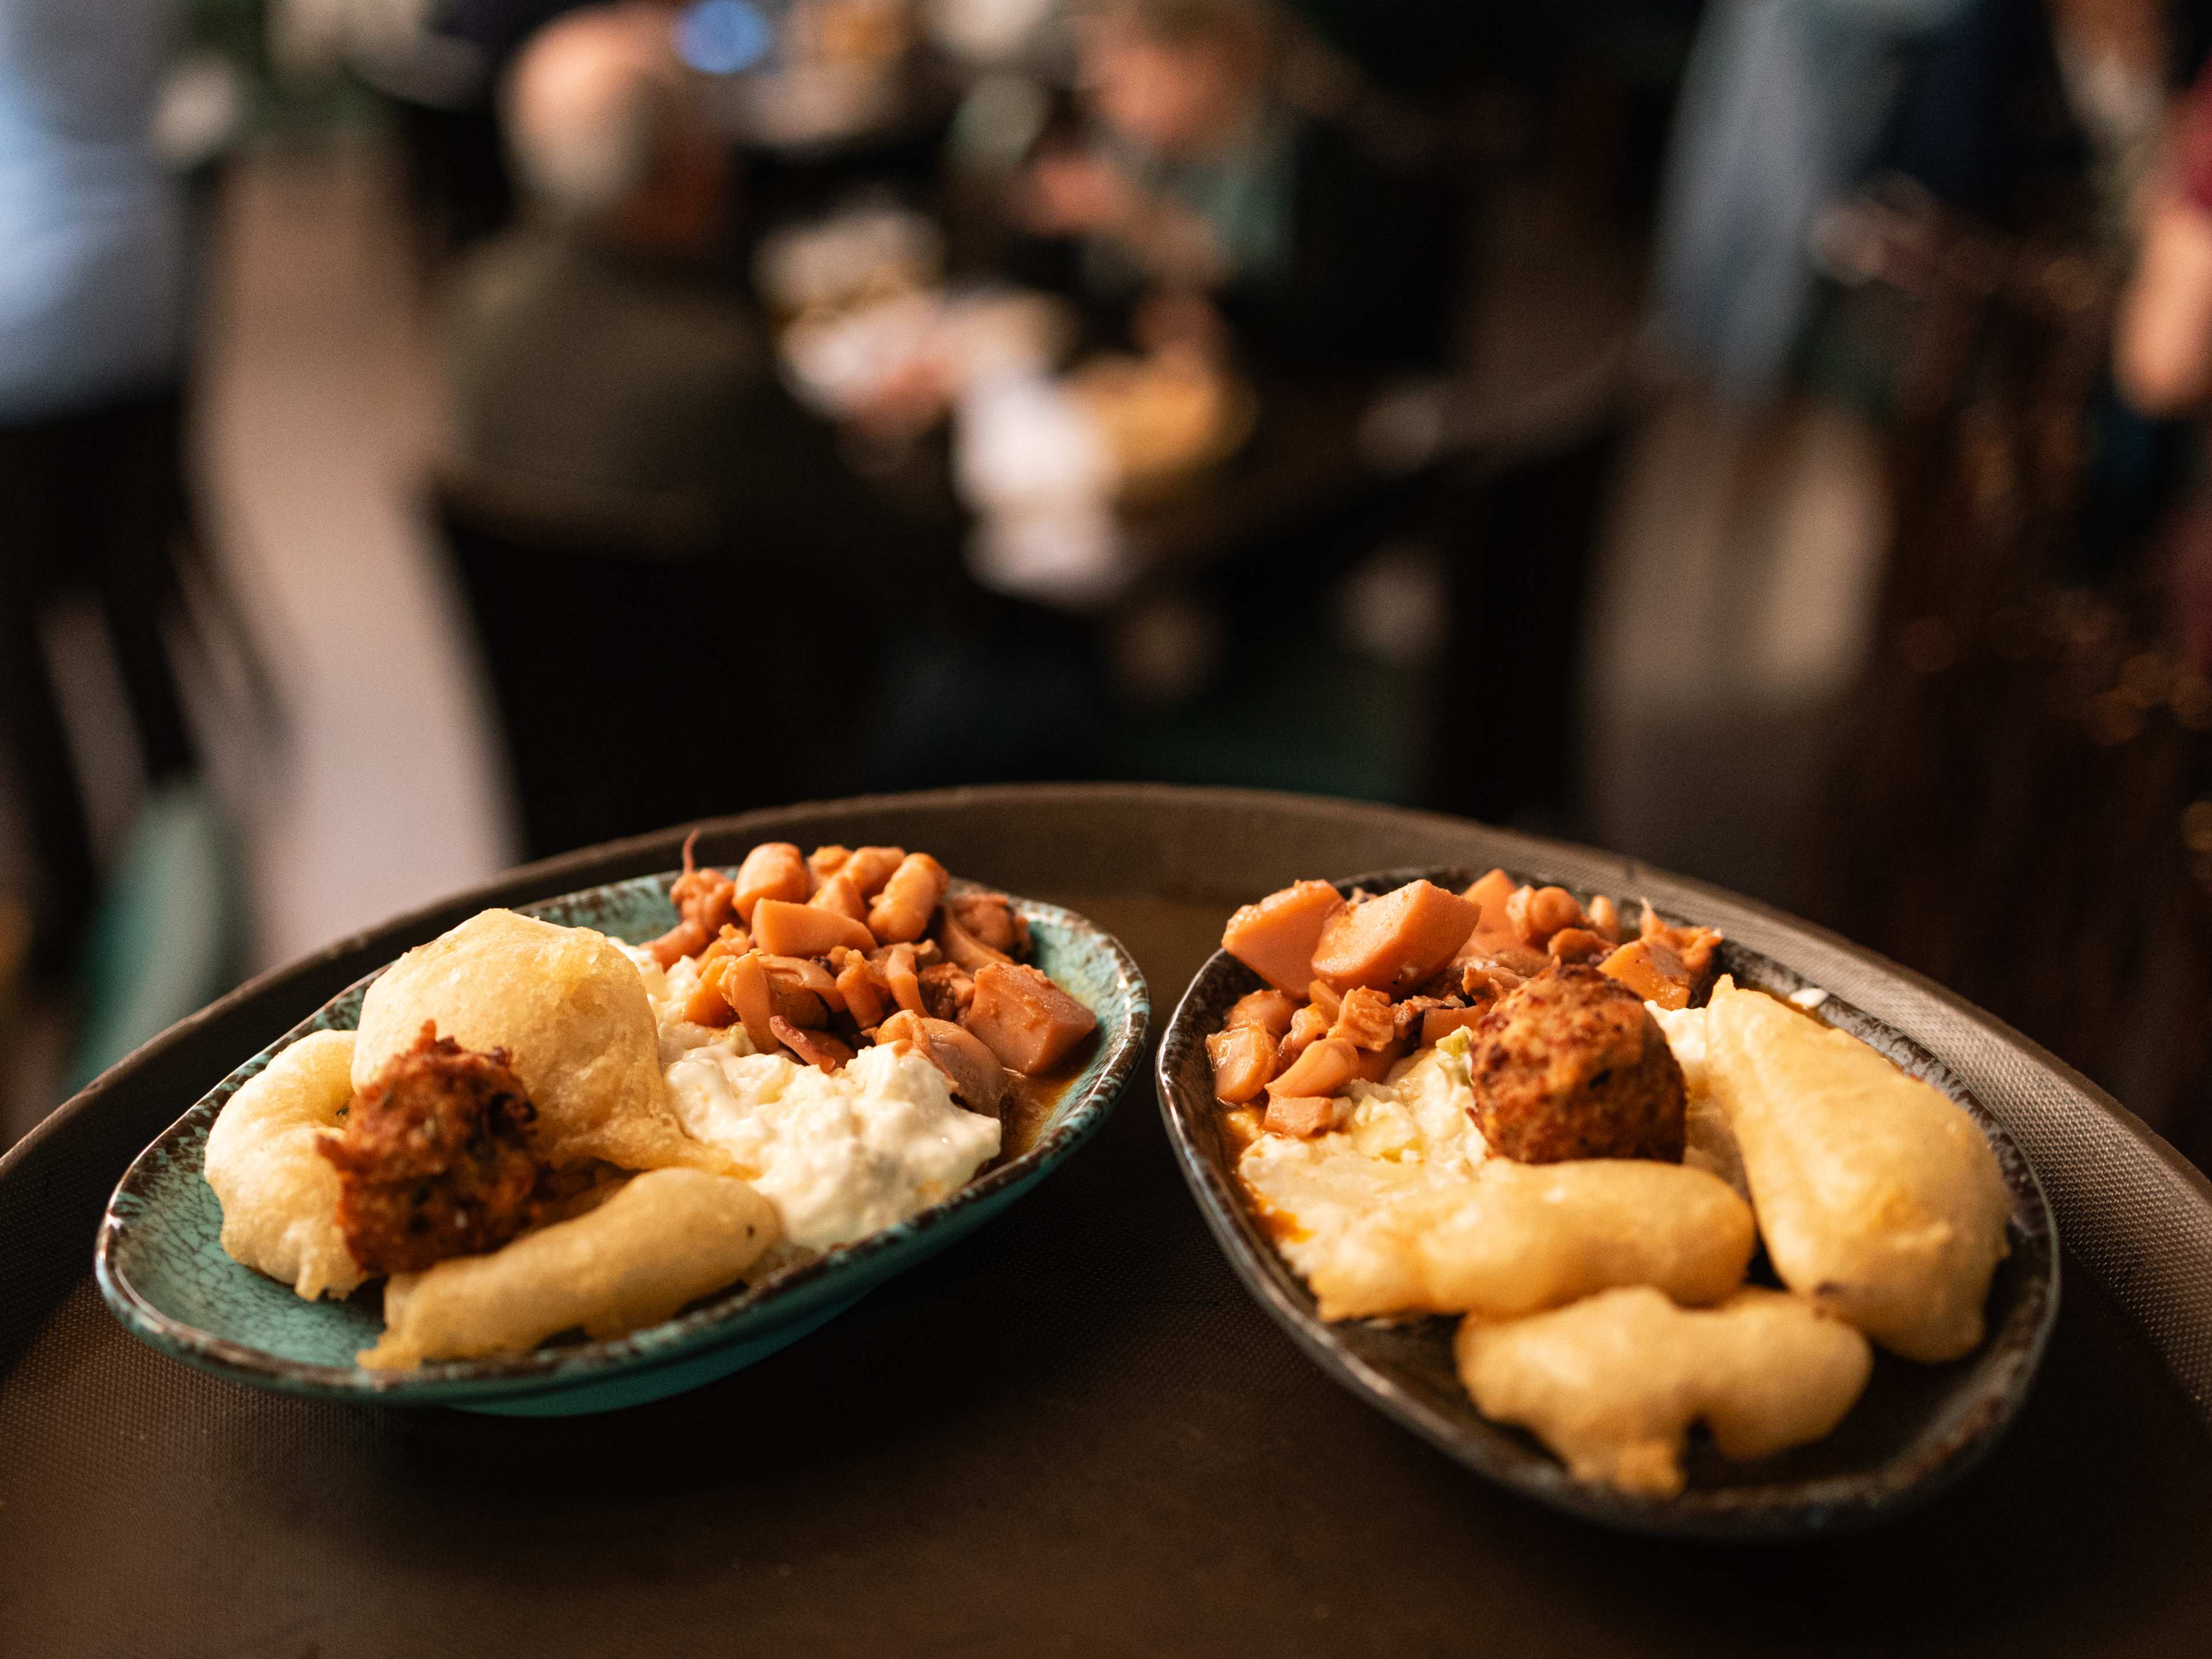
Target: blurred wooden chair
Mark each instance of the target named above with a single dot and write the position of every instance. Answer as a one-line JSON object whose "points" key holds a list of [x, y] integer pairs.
{"points": [[636, 688]]}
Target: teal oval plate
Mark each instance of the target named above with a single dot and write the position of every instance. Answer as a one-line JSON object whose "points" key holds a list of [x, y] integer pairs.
{"points": [[162, 1267]]}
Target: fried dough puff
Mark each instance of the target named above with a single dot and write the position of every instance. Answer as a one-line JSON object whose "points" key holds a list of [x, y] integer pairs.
{"points": [[435, 1159], [1879, 1196], [1570, 1065], [280, 1200], [1613, 1382], [571, 1010], [1516, 1239]]}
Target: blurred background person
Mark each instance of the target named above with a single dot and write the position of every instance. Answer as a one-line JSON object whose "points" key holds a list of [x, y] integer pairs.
{"points": [[639, 514], [440, 68], [94, 290], [1784, 106], [1195, 174], [1260, 243], [1713, 431], [2163, 343], [2162, 348], [595, 357]]}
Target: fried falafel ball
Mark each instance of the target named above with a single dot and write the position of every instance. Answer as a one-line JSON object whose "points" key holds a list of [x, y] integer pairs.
{"points": [[1572, 1064], [435, 1160]]}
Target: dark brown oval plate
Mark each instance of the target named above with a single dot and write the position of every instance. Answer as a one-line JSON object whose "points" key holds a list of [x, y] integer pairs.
{"points": [[1916, 1431]]}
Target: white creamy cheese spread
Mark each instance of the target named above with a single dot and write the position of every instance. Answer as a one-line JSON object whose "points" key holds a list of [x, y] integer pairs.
{"points": [[840, 1154], [1405, 1143], [1684, 1031], [1708, 1142]]}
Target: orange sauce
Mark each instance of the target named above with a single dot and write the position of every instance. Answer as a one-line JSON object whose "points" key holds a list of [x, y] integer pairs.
{"points": [[1030, 1101]]}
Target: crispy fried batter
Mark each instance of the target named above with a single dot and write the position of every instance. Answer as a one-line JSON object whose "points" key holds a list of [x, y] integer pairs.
{"points": [[435, 1160], [1572, 1066]]}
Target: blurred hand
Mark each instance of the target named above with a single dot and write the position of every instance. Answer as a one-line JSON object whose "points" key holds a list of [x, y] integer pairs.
{"points": [[2162, 345], [1073, 194], [905, 404], [2163, 336], [1179, 320]]}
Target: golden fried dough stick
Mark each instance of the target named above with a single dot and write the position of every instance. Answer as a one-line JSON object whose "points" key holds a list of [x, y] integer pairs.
{"points": [[667, 1237], [1613, 1383], [1515, 1239], [1878, 1197]]}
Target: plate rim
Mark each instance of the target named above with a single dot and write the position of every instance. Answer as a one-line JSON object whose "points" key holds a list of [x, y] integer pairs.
{"points": [[792, 1294], [545, 878], [1817, 1510], [2071, 1109]]}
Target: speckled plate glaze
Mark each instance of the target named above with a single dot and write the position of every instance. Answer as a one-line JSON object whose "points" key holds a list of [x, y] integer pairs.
{"points": [[161, 1265], [1917, 1428]]}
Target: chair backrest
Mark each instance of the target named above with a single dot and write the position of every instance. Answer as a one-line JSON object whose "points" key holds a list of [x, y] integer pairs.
{"points": [[166, 940], [638, 690]]}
